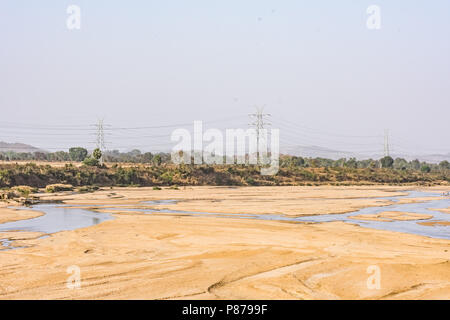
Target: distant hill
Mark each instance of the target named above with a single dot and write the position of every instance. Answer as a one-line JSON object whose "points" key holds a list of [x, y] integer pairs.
{"points": [[18, 147], [430, 158], [319, 152]]}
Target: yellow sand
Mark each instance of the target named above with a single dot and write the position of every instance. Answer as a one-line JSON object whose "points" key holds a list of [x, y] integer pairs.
{"points": [[139, 256], [392, 216]]}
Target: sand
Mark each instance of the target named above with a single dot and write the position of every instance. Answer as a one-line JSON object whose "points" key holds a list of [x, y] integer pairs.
{"points": [[10, 214], [292, 201], [137, 256], [435, 223], [388, 216]]}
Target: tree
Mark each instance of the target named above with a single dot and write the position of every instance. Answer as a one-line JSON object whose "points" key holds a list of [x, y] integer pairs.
{"points": [[93, 160], [387, 162], [351, 163], [147, 157], [40, 155], [415, 164], [400, 163], [444, 165], [425, 168], [77, 154], [157, 159], [97, 154]]}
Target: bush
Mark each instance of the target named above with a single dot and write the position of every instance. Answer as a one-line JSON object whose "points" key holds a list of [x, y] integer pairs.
{"points": [[156, 188], [87, 189], [250, 181], [52, 188], [25, 191], [92, 162], [5, 195]]}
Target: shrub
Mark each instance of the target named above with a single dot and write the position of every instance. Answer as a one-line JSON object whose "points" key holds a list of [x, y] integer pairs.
{"points": [[5, 195], [52, 188], [24, 190], [85, 189], [91, 162]]}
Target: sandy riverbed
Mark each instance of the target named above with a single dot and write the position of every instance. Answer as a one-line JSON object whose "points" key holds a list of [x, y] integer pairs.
{"points": [[169, 257], [10, 214]]}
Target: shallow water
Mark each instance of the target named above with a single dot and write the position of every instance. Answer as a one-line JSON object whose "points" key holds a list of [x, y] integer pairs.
{"points": [[56, 218], [59, 217], [411, 226]]}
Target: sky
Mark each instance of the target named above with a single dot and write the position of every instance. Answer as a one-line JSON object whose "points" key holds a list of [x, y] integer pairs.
{"points": [[149, 67]]}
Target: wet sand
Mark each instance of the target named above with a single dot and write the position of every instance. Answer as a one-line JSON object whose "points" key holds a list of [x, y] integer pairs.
{"points": [[435, 223], [392, 216], [156, 256]]}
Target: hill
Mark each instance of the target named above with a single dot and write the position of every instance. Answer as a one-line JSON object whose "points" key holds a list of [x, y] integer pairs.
{"points": [[17, 147]]}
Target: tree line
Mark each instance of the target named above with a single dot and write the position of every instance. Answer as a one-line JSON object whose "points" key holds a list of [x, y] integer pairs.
{"points": [[79, 154]]}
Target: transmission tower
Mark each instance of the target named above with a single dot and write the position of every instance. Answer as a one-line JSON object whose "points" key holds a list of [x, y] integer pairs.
{"points": [[100, 138], [259, 123], [386, 143]]}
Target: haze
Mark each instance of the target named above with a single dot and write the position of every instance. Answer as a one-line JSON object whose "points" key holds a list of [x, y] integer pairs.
{"points": [[324, 76]]}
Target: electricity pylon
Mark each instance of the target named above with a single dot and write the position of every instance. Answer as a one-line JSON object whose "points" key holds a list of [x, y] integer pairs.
{"points": [[100, 138], [259, 123], [386, 143]]}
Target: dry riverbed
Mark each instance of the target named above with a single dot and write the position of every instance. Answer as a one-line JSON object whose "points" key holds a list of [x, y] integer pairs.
{"points": [[163, 256]]}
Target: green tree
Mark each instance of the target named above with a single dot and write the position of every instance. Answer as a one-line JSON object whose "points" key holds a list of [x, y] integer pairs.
{"points": [[39, 156], [400, 163], [97, 154], [351, 163], [425, 168], [77, 154], [443, 165], [415, 164], [157, 160], [387, 162]]}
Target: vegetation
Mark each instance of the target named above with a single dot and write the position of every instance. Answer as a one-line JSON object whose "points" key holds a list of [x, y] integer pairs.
{"points": [[52, 188], [77, 154], [387, 162], [147, 169], [94, 159], [290, 173]]}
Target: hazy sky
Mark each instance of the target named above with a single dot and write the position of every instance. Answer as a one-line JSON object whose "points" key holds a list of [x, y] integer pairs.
{"points": [[324, 76]]}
